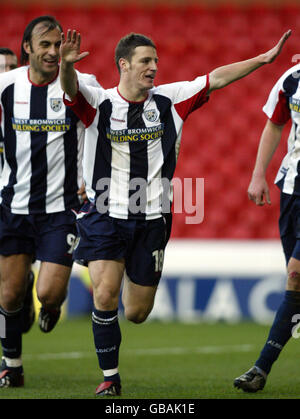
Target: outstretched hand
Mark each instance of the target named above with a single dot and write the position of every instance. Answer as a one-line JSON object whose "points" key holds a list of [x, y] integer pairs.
{"points": [[70, 47], [270, 56]]}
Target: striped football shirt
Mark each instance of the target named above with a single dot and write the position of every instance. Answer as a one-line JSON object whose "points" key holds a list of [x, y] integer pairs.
{"points": [[43, 145], [282, 105], [131, 149]]}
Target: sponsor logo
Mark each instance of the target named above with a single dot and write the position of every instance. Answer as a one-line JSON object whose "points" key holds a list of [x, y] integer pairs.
{"points": [[135, 135], [41, 125], [294, 104]]}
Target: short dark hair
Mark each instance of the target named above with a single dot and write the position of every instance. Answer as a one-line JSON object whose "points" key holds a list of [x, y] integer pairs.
{"points": [[6, 51], [49, 21], [126, 46]]}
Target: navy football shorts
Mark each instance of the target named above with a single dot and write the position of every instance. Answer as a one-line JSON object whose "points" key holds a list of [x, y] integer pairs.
{"points": [[289, 225], [141, 243], [47, 237]]}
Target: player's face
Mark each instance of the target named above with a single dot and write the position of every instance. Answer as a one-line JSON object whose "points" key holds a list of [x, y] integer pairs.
{"points": [[143, 67], [43, 51], [8, 62]]}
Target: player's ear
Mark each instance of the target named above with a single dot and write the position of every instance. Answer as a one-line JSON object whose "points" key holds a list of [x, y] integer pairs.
{"points": [[124, 65], [26, 46]]}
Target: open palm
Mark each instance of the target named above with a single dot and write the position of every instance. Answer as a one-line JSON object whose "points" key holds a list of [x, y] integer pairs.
{"points": [[70, 47], [274, 52]]}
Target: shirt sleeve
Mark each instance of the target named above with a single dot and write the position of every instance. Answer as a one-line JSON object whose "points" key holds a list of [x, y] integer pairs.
{"points": [[187, 96], [86, 102], [88, 79], [277, 105]]}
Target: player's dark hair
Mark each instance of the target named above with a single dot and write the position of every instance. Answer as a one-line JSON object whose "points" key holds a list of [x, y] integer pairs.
{"points": [[127, 44], [50, 23], [6, 51]]}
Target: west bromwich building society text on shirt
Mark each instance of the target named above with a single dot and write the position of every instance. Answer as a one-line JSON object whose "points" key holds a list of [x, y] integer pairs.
{"points": [[128, 142], [43, 145]]}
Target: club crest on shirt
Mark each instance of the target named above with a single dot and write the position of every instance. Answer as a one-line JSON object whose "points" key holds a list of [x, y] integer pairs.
{"points": [[151, 115], [56, 104]]}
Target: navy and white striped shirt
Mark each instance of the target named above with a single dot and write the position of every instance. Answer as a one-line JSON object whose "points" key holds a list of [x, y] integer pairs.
{"points": [[284, 104], [133, 147], [43, 145]]}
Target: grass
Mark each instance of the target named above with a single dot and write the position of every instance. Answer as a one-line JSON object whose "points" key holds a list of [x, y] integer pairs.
{"points": [[157, 361]]}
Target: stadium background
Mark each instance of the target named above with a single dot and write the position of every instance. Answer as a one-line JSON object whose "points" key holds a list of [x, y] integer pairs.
{"points": [[230, 266]]}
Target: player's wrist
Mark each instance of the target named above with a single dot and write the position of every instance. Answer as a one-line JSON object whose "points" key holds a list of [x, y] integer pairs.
{"points": [[259, 173], [65, 63], [266, 58], [261, 59]]}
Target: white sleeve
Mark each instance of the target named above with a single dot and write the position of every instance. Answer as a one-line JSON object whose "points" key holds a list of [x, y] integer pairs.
{"points": [[186, 96], [277, 106], [86, 102], [88, 79]]}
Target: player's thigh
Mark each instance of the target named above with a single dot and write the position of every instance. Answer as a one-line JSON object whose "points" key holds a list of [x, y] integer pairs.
{"points": [[288, 224], [17, 244], [14, 270], [291, 245], [106, 277], [52, 283], [145, 257], [16, 249], [98, 238], [288, 243], [144, 264]]}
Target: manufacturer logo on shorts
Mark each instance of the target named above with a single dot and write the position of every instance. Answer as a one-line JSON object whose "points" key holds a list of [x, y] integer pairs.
{"points": [[151, 115], [56, 104]]}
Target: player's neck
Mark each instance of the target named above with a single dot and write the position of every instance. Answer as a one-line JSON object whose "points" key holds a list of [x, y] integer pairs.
{"points": [[39, 78], [131, 94]]}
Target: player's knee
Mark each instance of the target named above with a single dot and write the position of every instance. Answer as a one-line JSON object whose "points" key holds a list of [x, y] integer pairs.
{"points": [[293, 282], [136, 315], [11, 299], [45, 300], [106, 298], [50, 299]]}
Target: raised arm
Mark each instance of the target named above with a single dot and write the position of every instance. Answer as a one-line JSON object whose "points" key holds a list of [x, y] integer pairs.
{"points": [[70, 54], [222, 76], [258, 190]]}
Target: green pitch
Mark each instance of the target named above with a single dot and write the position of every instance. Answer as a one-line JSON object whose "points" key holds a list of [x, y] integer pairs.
{"points": [[157, 360]]}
